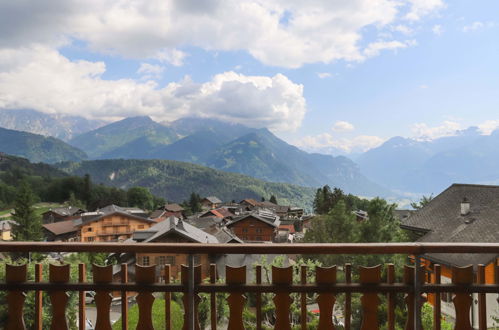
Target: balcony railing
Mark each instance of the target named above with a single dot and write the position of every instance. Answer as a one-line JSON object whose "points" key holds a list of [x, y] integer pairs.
{"points": [[370, 285]]}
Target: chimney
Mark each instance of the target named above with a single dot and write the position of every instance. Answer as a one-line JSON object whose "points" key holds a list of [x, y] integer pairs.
{"points": [[465, 206]]}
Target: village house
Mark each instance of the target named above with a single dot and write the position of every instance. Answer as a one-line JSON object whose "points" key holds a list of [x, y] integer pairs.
{"points": [[220, 212], [258, 226], [174, 230], [462, 213], [6, 230], [62, 231], [210, 202], [61, 214], [166, 211], [112, 223]]}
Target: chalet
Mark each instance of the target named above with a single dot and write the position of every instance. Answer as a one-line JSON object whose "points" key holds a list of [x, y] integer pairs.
{"points": [[63, 231], [61, 214], [174, 230], [167, 211], [112, 223], [295, 212], [210, 202], [249, 203], [461, 213], [258, 226]]}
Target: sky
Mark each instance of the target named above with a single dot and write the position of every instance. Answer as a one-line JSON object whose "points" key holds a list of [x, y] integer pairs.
{"points": [[338, 76]]}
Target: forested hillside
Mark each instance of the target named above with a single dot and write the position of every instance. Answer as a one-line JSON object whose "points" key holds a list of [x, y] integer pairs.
{"points": [[175, 181], [37, 148]]}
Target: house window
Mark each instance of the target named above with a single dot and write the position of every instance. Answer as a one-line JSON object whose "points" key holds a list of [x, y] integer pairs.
{"points": [[161, 260], [170, 260], [145, 261], [446, 297], [90, 239], [197, 260], [259, 238], [245, 230], [141, 226], [259, 230], [89, 229]]}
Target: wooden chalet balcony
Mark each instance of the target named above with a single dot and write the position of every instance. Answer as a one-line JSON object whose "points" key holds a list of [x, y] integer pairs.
{"points": [[371, 285]]}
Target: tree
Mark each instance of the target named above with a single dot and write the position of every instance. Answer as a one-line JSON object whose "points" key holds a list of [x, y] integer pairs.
{"points": [[425, 200], [75, 202], [87, 190], [28, 226], [195, 203], [273, 199], [140, 197]]}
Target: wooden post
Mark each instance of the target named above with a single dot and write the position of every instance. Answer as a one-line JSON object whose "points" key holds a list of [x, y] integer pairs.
{"points": [[236, 300], [38, 298], [326, 300], [124, 298], [15, 299], [103, 274], [258, 275], [390, 279], [482, 301], [370, 301], [282, 300], [437, 309], [82, 278], [348, 297], [213, 297], [145, 300], [59, 299], [168, 297], [303, 298], [462, 301]]}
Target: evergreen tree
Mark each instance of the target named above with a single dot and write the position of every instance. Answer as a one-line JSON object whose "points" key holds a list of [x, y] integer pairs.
{"points": [[87, 190], [422, 202], [273, 199], [195, 203], [28, 226]]}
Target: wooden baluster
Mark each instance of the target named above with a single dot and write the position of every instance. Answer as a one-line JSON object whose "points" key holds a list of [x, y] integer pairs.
{"points": [[303, 298], [103, 275], [59, 299], [258, 275], [370, 301], [462, 301], [390, 279], [409, 298], [82, 278], [482, 301], [236, 300], [213, 298], [38, 298], [348, 297], [15, 299], [124, 298], [185, 280], [145, 275], [326, 300], [437, 309], [282, 300], [168, 297]]}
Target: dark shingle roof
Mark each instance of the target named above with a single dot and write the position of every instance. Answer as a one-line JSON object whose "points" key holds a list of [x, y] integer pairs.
{"points": [[175, 225], [443, 222], [66, 211], [173, 207], [130, 212], [262, 215], [213, 199], [61, 227]]}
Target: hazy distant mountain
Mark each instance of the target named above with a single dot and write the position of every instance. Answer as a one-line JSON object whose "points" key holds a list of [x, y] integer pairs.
{"points": [[37, 148], [60, 126], [431, 166], [111, 140], [262, 155]]}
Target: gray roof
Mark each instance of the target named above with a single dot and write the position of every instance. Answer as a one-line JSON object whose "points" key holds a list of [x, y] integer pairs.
{"points": [[213, 199], [442, 221], [131, 212], [263, 215], [174, 225], [66, 211], [224, 235]]}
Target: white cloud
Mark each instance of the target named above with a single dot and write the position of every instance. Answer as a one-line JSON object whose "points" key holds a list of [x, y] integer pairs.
{"points": [[422, 131], [325, 141], [150, 71], [324, 75], [478, 26], [420, 8], [437, 29], [488, 126], [280, 32], [374, 48], [41, 78], [423, 86], [404, 29], [342, 126]]}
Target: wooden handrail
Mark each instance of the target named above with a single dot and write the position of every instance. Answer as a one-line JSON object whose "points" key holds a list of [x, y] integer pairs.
{"points": [[312, 248]]}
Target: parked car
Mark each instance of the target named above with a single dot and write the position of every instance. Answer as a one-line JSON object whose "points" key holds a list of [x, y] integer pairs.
{"points": [[89, 297]]}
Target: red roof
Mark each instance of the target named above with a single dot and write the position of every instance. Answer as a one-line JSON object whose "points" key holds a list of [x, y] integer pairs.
{"points": [[291, 228]]}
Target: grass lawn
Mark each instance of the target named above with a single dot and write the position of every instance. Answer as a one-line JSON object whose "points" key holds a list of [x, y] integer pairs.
{"points": [[158, 316], [39, 208]]}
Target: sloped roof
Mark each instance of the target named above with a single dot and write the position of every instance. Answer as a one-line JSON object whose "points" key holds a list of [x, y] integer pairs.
{"points": [[65, 211], [290, 228], [61, 227], [173, 207], [250, 201], [156, 214], [175, 225], [204, 222], [225, 236], [442, 221], [129, 212], [272, 221], [213, 199]]}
